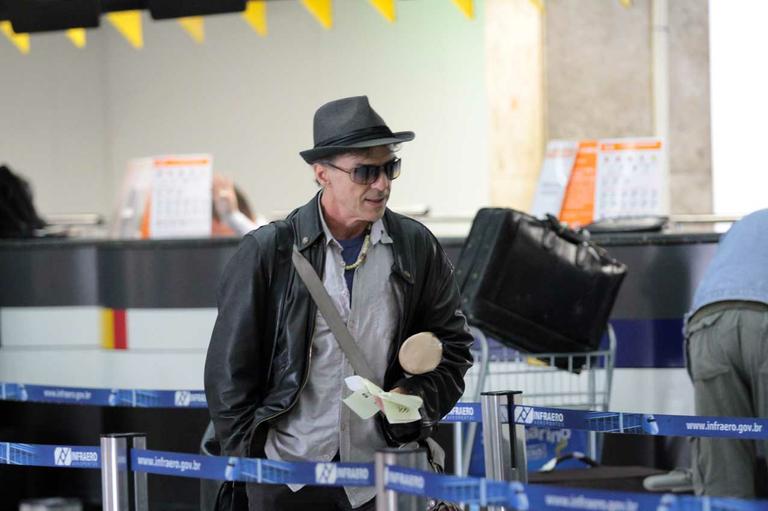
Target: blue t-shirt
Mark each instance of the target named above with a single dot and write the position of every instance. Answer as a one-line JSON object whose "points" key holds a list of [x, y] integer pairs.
{"points": [[739, 270], [350, 249]]}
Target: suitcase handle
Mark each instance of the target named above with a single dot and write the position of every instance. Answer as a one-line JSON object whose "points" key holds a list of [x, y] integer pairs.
{"points": [[574, 236]]}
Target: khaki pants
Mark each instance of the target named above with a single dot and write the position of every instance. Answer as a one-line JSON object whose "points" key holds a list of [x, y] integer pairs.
{"points": [[727, 349]]}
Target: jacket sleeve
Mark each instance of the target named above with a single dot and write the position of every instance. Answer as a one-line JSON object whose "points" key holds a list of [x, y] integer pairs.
{"points": [[439, 312], [236, 358]]}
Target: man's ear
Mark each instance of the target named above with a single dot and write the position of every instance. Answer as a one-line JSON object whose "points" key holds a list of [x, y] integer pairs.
{"points": [[321, 174]]}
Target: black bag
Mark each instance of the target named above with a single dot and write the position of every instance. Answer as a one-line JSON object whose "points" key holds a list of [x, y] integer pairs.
{"points": [[219, 495], [536, 285], [232, 496], [18, 218]]}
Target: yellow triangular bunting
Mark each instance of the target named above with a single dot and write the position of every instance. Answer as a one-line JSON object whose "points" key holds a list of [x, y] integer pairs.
{"points": [[386, 8], [467, 7], [322, 10], [128, 23], [20, 41], [77, 36], [195, 27], [256, 16], [539, 4]]}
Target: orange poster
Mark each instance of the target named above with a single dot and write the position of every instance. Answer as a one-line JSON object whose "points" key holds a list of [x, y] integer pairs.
{"points": [[579, 201]]}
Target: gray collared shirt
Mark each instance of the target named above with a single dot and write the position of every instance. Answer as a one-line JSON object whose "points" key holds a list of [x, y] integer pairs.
{"points": [[320, 425]]}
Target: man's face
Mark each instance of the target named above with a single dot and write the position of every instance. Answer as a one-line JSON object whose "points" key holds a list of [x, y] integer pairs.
{"points": [[348, 202]]}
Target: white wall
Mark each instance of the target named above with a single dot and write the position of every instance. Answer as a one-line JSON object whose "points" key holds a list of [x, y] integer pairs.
{"points": [[52, 126], [250, 100], [739, 105]]}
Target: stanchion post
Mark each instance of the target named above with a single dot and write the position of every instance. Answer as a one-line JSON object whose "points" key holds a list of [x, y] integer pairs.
{"points": [[458, 449], [140, 488], [505, 457], [121, 491], [390, 500]]}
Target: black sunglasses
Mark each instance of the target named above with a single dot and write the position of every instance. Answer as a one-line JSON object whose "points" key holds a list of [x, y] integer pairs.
{"points": [[367, 174]]}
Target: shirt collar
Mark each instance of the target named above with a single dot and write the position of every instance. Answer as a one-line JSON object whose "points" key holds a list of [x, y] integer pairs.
{"points": [[378, 231]]}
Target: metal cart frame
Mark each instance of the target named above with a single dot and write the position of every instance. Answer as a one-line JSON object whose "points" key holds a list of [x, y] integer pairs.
{"points": [[578, 380]]}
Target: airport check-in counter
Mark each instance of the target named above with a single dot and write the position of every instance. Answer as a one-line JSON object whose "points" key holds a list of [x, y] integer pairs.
{"points": [[138, 314]]}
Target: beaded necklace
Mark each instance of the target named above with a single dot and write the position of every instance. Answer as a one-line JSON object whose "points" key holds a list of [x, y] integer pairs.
{"points": [[363, 251]]}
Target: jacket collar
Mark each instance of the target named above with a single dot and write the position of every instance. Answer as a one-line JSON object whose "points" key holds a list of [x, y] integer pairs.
{"points": [[309, 229], [402, 247]]}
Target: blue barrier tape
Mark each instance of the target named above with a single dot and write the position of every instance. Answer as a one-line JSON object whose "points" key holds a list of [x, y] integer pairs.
{"points": [[568, 499], [469, 490], [252, 469], [643, 424], [39, 455], [138, 398], [134, 398], [609, 422], [464, 412], [472, 490]]}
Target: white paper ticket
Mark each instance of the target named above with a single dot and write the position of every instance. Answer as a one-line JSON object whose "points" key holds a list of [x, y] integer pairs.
{"points": [[367, 399]]}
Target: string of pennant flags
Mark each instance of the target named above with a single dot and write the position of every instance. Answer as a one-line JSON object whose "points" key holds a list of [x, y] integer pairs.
{"points": [[129, 23]]}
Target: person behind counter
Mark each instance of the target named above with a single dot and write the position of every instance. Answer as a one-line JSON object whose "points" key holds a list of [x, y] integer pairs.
{"points": [[274, 373], [727, 346], [231, 212]]}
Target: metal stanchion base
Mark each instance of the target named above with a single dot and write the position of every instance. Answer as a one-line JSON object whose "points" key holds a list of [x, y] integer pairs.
{"points": [[51, 504]]}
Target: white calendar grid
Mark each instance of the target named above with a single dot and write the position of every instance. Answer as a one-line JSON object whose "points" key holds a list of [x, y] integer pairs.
{"points": [[181, 197], [630, 178]]}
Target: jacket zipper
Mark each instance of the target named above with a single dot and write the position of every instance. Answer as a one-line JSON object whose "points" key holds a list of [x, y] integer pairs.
{"points": [[305, 378]]}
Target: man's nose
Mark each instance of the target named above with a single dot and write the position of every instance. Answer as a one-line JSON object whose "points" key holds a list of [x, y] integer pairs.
{"points": [[382, 182]]}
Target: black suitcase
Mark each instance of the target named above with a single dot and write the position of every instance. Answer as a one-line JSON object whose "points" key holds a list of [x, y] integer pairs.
{"points": [[534, 284]]}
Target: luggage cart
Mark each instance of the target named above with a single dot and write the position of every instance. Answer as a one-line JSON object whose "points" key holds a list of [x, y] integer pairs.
{"points": [[562, 380]]}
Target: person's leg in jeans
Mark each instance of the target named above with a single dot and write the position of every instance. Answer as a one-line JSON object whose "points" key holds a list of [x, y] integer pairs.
{"points": [[722, 467]]}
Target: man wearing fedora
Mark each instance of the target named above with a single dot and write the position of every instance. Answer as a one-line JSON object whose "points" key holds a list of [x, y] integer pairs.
{"points": [[274, 373]]}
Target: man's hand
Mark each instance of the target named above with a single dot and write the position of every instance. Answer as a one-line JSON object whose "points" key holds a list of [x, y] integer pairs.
{"points": [[396, 390], [404, 432]]}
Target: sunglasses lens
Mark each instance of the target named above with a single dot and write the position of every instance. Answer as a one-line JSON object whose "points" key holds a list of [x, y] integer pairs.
{"points": [[393, 169], [365, 174]]}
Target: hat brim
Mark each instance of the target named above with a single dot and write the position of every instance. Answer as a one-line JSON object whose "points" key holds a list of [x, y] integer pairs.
{"points": [[318, 153]]}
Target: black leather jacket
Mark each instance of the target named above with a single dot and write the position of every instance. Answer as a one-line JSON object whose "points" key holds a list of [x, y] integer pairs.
{"points": [[258, 357]]}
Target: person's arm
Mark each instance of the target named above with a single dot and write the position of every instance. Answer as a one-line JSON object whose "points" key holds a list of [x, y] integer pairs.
{"points": [[239, 223], [235, 363], [439, 310], [227, 207]]}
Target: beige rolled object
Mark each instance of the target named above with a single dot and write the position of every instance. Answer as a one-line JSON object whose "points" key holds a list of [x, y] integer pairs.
{"points": [[420, 353]]}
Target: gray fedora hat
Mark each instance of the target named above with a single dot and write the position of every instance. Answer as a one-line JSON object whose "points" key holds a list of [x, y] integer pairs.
{"points": [[349, 123]]}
